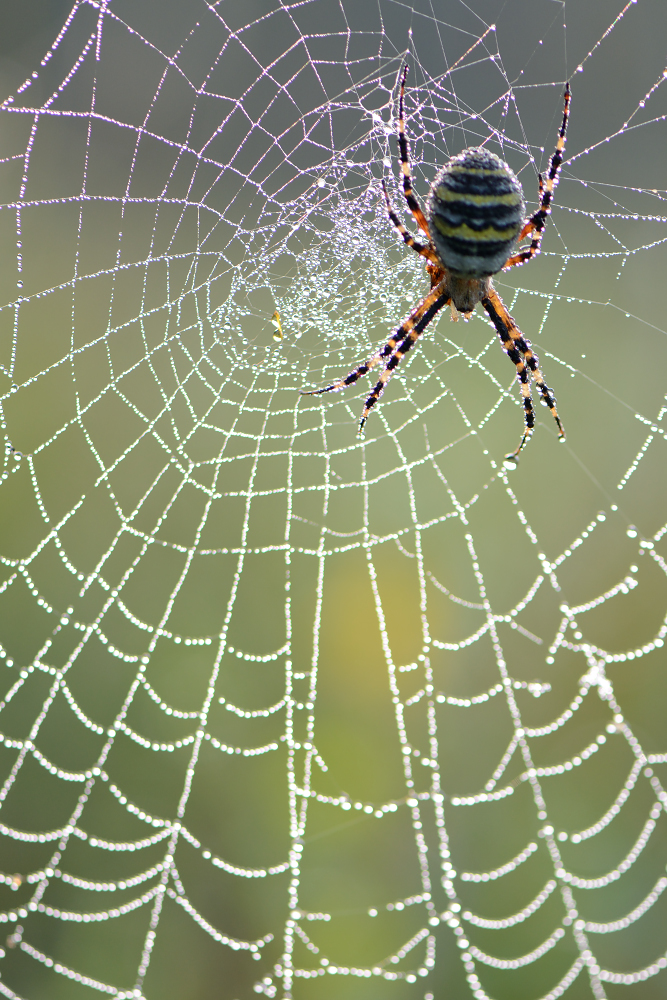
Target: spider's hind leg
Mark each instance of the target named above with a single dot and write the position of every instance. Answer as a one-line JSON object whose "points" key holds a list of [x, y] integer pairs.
{"points": [[406, 336], [362, 369], [514, 355], [356, 373], [519, 350]]}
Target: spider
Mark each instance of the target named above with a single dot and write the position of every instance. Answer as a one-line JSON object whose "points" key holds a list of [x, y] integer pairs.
{"points": [[474, 218]]}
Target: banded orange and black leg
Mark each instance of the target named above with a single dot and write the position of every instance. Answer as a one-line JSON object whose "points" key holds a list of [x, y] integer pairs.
{"points": [[356, 373], [412, 327], [537, 222], [406, 336], [425, 250], [404, 151], [520, 352]]}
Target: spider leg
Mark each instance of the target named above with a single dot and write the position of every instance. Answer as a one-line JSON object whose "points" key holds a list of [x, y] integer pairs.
{"points": [[425, 250], [361, 369], [536, 223], [527, 363], [407, 333], [388, 349], [356, 373], [413, 204]]}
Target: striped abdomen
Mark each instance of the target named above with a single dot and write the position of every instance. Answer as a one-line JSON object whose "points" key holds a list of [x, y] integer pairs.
{"points": [[475, 211]]}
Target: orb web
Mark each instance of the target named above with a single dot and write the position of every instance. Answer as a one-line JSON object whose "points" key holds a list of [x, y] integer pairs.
{"points": [[288, 711]]}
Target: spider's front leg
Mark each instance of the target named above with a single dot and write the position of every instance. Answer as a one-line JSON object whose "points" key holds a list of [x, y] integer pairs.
{"points": [[519, 350], [536, 223], [404, 153], [424, 249]]}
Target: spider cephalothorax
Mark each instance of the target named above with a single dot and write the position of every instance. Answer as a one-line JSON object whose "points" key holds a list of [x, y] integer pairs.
{"points": [[474, 217]]}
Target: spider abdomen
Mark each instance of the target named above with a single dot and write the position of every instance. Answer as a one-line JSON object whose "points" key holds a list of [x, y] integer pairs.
{"points": [[475, 211]]}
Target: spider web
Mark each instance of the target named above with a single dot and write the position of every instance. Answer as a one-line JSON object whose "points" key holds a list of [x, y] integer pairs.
{"points": [[286, 710]]}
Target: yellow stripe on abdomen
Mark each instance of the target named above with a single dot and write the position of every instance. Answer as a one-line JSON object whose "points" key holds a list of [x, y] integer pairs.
{"points": [[475, 212]]}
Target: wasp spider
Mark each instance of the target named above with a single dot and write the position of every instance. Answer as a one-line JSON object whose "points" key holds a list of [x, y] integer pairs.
{"points": [[474, 217]]}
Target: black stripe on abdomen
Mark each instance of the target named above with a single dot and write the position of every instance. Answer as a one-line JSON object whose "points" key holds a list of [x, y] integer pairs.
{"points": [[475, 211]]}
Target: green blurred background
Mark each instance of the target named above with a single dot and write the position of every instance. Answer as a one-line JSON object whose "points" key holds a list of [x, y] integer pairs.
{"points": [[162, 450]]}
